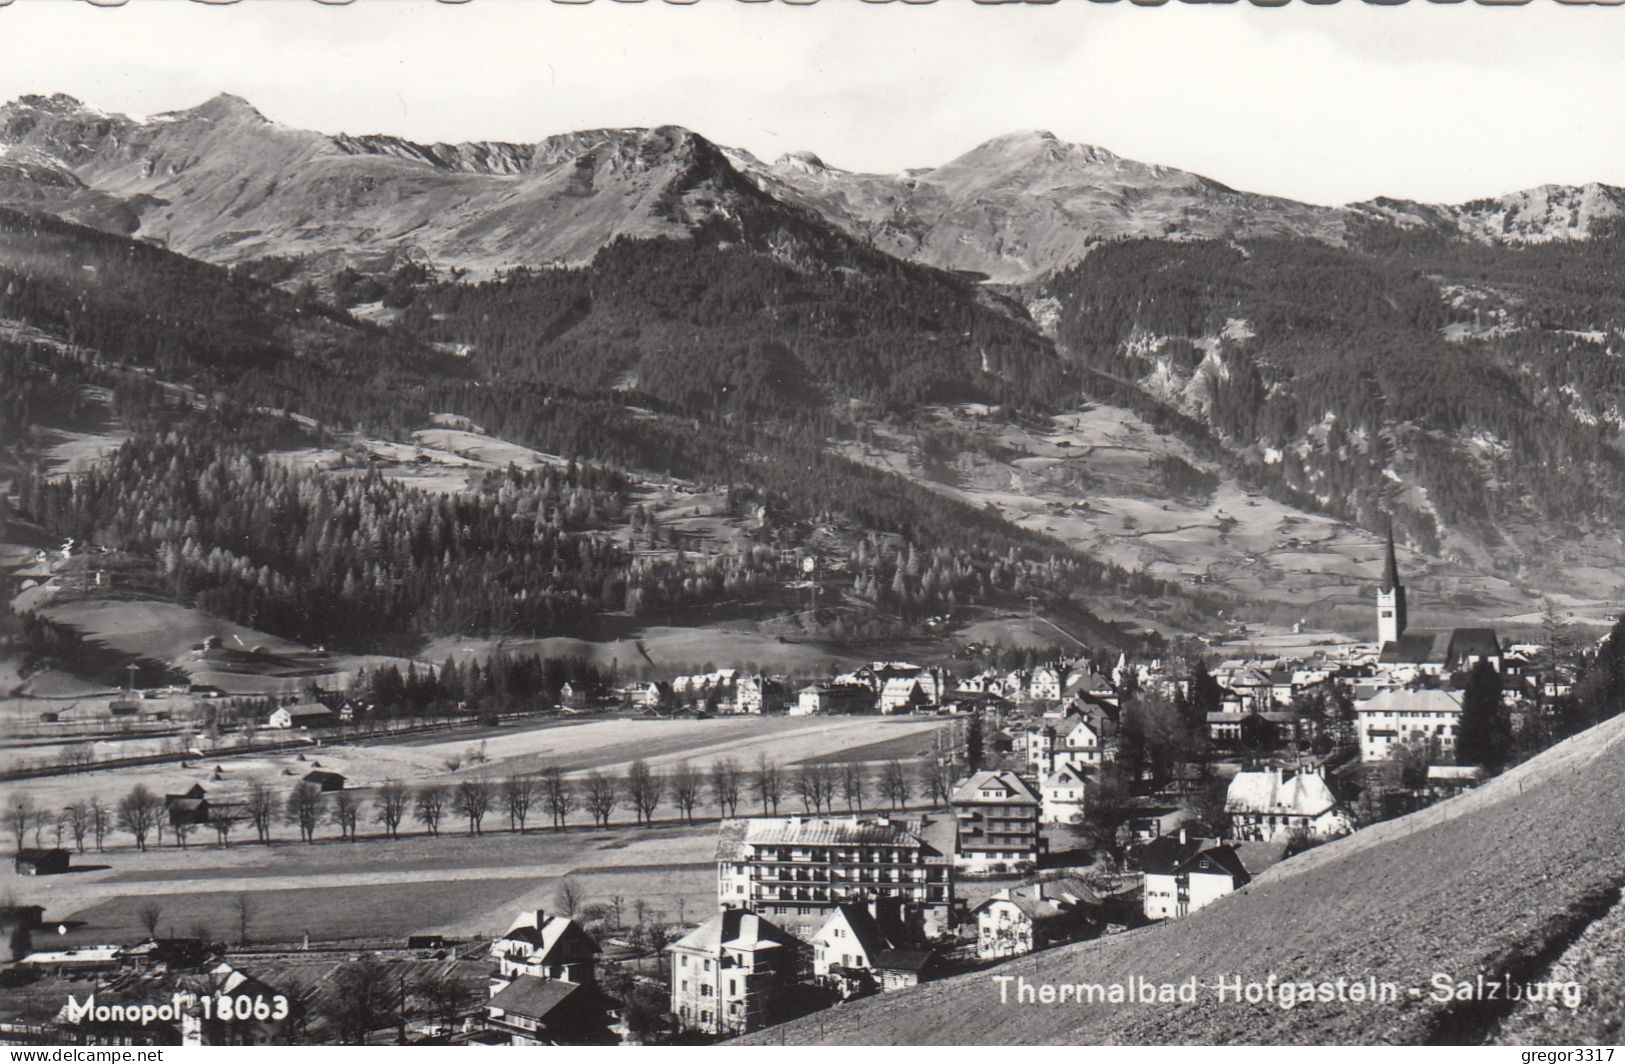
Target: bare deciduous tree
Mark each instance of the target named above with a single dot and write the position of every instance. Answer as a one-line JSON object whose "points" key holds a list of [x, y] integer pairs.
{"points": [[77, 818], [936, 781], [19, 815], [894, 784], [808, 789], [243, 907], [304, 808], [101, 820], [364, 997], [603, 795], [139, 812], [518, 795], [725, 786], [568, 896], [260, 806], [827, 783], [223, 819], [558, 795], [41, 823], [390, 806], [149, 913], [685, 789], [428, 805], [644, 787], [447, 995], [767, 782], [472, 799], [346, 811]]}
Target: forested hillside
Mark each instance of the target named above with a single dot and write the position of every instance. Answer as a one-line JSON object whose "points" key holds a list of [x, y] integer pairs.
{"points": [[749, 320], [1459, 385], [121, 303], [204, 366]]}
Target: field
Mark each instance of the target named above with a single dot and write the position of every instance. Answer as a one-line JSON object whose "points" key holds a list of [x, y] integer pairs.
{"points": [[375, 888], [455, 883], [117, 628], [577, 746]]}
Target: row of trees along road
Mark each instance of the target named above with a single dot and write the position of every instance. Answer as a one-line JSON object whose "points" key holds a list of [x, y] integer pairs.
{"points": [[724, 785]]}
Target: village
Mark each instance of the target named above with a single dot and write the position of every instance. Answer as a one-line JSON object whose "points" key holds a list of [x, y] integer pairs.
{"points": [[1036, 806]]}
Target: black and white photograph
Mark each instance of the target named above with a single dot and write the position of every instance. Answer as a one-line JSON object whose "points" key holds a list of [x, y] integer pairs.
{"points": [[829, 523]]}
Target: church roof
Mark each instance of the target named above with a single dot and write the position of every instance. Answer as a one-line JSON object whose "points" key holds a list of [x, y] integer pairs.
{"points": [[1417, 647], [1447, 647], [1481, 642]]}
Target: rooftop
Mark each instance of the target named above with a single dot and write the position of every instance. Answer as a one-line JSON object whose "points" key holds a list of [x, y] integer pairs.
{"points": [[1272, 791], [737, 929], [737, 836], [531, 997]]}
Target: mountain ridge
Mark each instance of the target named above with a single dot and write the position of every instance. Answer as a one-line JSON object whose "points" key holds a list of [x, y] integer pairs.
{"points": [[1013, 209], [1254, 326]]}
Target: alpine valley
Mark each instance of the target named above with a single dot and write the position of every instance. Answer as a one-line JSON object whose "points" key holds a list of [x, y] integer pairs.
{"points": [[661, 387]]}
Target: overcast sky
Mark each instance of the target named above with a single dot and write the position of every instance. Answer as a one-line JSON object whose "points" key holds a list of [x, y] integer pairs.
{"points": [[1327, 104]]}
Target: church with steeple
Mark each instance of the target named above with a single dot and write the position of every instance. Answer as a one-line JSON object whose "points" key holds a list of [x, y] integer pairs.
{"points": [[1432, 652], [1390, 599]]}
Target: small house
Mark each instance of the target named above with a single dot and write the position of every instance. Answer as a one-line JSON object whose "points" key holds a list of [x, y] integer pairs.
{"points": [[548, 947], [860, 948], [324, 780], [302, 715], [1183, 874], [41, 862], [532, 1011], [1021, 919]]}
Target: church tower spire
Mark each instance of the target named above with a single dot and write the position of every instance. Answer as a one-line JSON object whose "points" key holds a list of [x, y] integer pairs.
{"points": [[1390, 597]]}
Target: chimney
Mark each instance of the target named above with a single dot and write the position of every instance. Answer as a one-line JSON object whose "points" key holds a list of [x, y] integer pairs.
{"points": [[541, 919], [1182, 839]]}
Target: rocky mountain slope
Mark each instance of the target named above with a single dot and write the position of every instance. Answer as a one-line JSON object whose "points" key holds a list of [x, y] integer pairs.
{"points": [[1505, 882], [1536, 215], [222, 182], [1458, 365], [1021, 205]]}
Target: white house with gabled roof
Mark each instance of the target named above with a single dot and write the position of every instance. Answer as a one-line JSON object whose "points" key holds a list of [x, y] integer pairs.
{"points": [[1271, 803], [1063, 792]]}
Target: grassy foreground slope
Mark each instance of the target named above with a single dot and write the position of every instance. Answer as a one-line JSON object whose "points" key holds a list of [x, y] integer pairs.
{"points": [[1502, 881]]}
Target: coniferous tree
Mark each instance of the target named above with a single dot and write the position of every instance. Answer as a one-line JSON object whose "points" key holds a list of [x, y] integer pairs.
{"points": [[1485, 736]]}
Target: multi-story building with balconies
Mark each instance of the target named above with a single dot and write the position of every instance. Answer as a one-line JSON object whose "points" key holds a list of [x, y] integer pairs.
{"points": [[795, 869], [997, 816]]}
